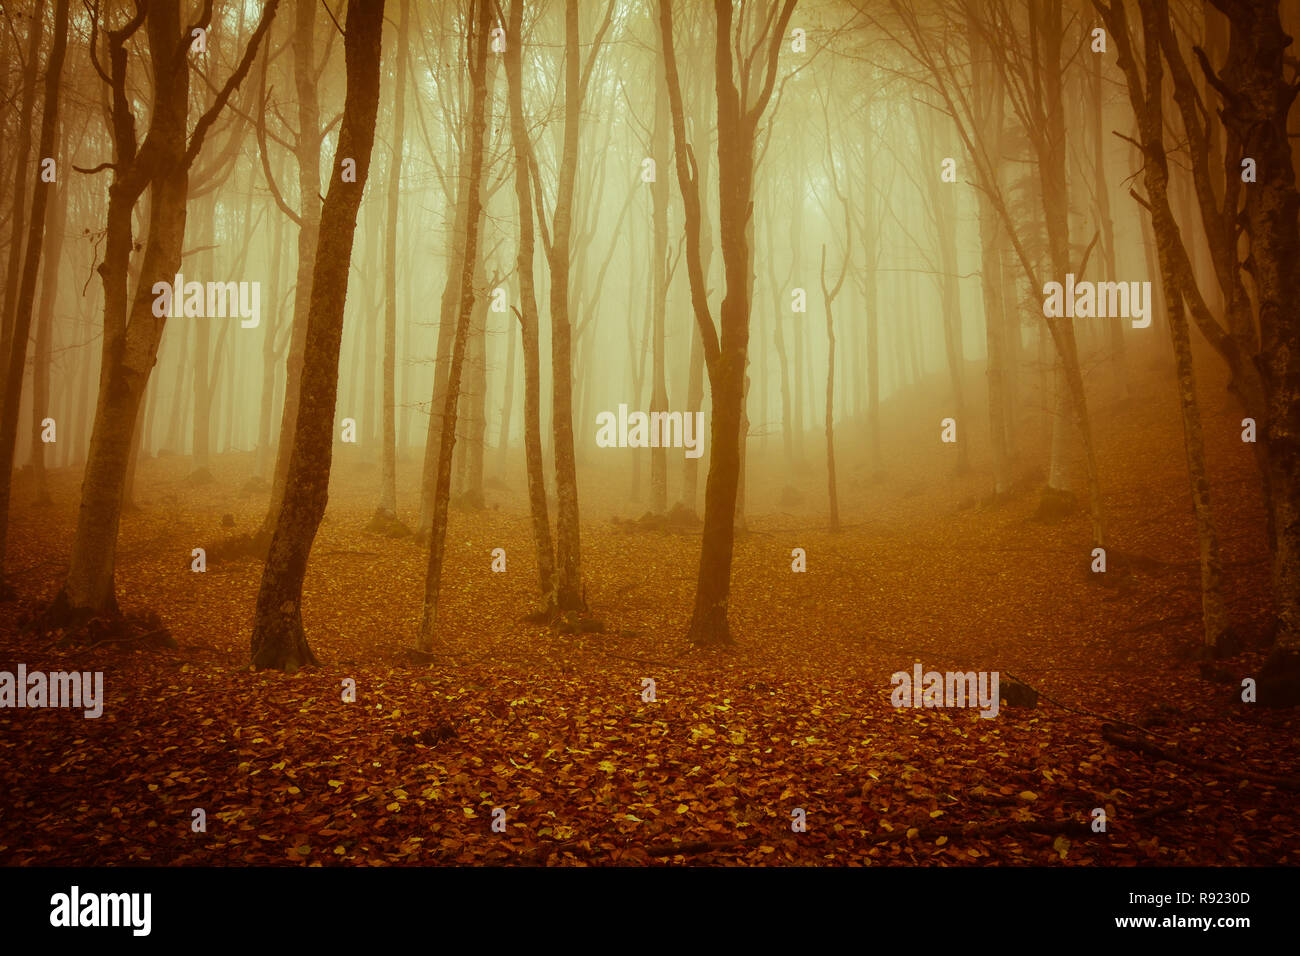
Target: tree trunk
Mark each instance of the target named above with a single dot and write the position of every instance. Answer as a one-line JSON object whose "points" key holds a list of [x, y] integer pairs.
{"points": [[1114, 326], [22, 187], [278, 640], [528, 318], [55, 230], [130, 348], [469, 256], [569, 590], [446, 333], [780, 302], [828, 298], [263, 462], [1148, 109], [22, 317], [388, 476], [1257, 112], [507, 400], [725, 350], [307, 150], [659, 140]]}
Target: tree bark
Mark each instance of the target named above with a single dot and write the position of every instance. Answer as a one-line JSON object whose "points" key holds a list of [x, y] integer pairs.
{"points": [[22, 317], [527, 314], [725, 349], [278, 640], [469, 256], [569, 590], [22, 157], [307, 149], [659, 138], [388, 475], [55, 230]]}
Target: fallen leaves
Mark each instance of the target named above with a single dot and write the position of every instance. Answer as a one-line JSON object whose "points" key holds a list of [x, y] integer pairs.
{"points": [[552, 728]]}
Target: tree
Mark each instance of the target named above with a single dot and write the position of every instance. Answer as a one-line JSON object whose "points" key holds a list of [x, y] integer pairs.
{"points": [[659, 284], [527, 311], [132, 330], [22, 156], [569, 593], [477, 47], [22, 319], [740, 110], [388, 478], [278, 640], [829, 294], [307, 149], [1146, 94]]}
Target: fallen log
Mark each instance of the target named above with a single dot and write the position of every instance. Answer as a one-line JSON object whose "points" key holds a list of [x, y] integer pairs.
{"points": [[1138, 745]]}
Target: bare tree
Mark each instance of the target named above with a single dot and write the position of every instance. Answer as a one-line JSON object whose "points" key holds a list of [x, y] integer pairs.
{"points": [[527, 312], [132, 330], [388, 478], [741, 103], [22, 318], [477, 46], [1146, 94], [278, 641]]}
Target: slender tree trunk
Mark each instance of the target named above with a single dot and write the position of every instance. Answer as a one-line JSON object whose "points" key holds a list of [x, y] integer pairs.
{"points": [[569, 590], [176, 419], [446, 333], [204, 384], [22, 184], [469, 256], [307, 149], [55, 229], [22, 317], [780, 302], [278, 641], [828, 298], [659, 141], [1051, 146], [528, 318], [263, 461], [1114, 327], [507, 401], [950, 306], [473, 397], [388, 476]]}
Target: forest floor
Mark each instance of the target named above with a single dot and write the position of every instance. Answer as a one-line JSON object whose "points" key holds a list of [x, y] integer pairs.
{"points": [[552, 727]]}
